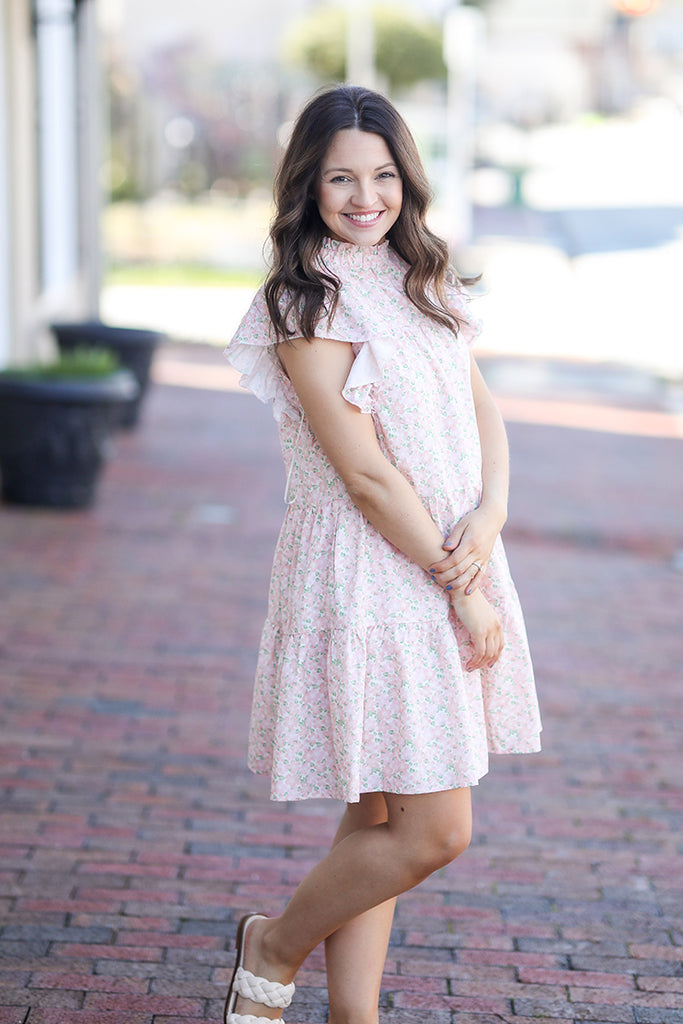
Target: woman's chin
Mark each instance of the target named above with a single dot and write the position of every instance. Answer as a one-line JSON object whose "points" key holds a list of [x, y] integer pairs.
{"points": [[356, 234], [361, 236]]}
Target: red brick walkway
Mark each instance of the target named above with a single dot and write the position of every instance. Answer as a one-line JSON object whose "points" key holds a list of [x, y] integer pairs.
{"points": [[133, 837]]}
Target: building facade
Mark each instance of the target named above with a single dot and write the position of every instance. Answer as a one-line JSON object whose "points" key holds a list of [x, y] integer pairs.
{"points": [[49, 170]]}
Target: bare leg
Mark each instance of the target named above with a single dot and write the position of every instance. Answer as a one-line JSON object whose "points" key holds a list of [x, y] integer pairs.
{"points": [[356, 952], [365, 869]]}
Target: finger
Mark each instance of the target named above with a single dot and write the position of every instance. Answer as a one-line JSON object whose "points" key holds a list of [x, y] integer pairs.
{"points": [[459, 575], [450, 580], [474, 579], [498, 643], [466, 562], [488, 649], [455, 538], [479, 653], [472, 664], [491, 648], [455, 560], [441, 569], [458, 586], [466, 582]]}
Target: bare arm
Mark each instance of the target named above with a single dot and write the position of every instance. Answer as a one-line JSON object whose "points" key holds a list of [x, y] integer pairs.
{"points": [[472, 540], [318, 371], [494, 450]]}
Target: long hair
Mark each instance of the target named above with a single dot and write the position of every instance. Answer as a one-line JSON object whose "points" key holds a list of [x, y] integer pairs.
{"points": [[298, 289]]}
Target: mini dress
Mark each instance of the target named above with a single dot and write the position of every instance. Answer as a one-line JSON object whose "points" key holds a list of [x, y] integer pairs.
{"points": [[360, 682]]}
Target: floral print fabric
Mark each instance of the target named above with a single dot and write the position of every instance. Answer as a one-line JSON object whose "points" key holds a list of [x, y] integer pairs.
{"points": [[360, 685]]}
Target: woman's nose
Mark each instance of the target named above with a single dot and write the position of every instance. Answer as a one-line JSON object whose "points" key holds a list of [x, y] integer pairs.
{"points": [[364, 194]]}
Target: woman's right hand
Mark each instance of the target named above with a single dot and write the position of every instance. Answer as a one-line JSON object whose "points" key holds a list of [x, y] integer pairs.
{"points": [[484, 627]]}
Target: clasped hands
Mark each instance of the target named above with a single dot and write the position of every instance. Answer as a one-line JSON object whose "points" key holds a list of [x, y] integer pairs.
{"points": [[470, 545]]}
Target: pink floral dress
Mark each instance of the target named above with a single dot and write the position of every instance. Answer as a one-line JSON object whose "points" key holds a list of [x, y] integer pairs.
{"points": [[360, 685]]}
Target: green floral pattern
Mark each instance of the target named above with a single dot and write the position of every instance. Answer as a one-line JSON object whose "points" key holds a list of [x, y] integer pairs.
{"points": [[360, 683]]}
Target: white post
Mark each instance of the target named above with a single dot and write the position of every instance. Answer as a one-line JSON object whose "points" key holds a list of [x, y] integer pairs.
{"points": [[360, 44], [463, 34], [6, 276], [57, 145], [90, 116]]}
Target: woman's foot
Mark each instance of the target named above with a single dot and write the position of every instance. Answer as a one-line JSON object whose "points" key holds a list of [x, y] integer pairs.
{"points": [[259, 987]]}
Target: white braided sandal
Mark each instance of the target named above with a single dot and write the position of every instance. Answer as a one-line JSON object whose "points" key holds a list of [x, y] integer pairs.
{"points": [[249, 986]]}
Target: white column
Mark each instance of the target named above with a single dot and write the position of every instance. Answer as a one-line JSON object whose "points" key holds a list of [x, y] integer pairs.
{"points": [[463, 35], [91, 117], [6, 318], [57, 146], [360, 44]]}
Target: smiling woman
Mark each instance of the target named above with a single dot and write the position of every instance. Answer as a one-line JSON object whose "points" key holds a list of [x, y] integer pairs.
{"points": [[345, 150], [394, 656], [360, 190]]}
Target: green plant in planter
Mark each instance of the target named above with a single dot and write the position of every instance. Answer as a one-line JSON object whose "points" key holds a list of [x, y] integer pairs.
{"points": [[55, 422], [78, 363], [134, 347]]}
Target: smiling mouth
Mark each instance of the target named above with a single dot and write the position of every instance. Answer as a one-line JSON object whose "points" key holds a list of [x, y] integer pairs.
{"points": [[364, 219]]}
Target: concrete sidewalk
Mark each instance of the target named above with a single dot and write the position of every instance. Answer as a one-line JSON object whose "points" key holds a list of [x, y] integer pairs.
{"points": [[133, 837]]}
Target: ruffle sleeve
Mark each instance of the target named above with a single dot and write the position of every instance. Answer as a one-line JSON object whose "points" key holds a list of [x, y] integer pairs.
{"points": [[367, 326], [373, 346], [364, 317], [470, 326], [367, 371], [252, 351]]}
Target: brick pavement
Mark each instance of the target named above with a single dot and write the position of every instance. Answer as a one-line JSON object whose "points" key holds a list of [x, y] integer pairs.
{"points": [[132, 837]]}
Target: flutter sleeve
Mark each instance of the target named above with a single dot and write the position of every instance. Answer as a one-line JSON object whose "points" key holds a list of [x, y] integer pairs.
{"points": [[251, 350], [470, 326], [368, 331]]}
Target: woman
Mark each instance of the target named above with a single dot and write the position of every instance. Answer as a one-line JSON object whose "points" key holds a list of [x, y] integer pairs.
{"points": [[388, 669]]}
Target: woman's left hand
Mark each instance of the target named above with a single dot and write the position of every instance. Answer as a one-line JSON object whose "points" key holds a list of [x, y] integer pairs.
{"points": [[470, 545]]}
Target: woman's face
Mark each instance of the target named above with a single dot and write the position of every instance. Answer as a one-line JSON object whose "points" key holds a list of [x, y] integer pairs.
{"points": [[359, 191]]}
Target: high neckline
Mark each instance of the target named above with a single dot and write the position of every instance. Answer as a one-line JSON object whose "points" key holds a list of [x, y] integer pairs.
{"points": [[348, 258], [351, 249]]}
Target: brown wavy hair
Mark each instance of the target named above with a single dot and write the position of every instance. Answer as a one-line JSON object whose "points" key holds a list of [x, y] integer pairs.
{"points": [[298, 288]]}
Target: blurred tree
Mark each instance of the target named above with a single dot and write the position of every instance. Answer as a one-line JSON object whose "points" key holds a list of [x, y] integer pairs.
{"points": [[118, 174], [408, 50]]}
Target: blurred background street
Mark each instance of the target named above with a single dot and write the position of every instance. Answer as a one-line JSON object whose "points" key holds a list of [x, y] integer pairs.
{"points": [[599, 237], [552, 135]]}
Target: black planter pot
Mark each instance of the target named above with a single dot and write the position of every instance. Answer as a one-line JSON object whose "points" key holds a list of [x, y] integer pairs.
{"points": [[54, 433], [133, 347]]}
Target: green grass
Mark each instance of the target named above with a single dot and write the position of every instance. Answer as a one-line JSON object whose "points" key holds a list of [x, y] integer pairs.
{"points": [[178, 275], [79, 362]]}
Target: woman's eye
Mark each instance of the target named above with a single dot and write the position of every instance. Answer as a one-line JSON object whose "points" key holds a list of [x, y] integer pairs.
{"points": [[344, 179]]}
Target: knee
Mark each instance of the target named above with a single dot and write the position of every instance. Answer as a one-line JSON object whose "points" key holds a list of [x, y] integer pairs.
{"points": [[439, 848], [447, 844]]}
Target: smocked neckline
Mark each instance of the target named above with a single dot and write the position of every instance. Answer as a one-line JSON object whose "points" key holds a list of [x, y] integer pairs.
{"points": [[352, 250]]}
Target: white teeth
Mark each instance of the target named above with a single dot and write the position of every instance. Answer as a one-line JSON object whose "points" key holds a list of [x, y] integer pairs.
{"points": [[362, 218]]}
